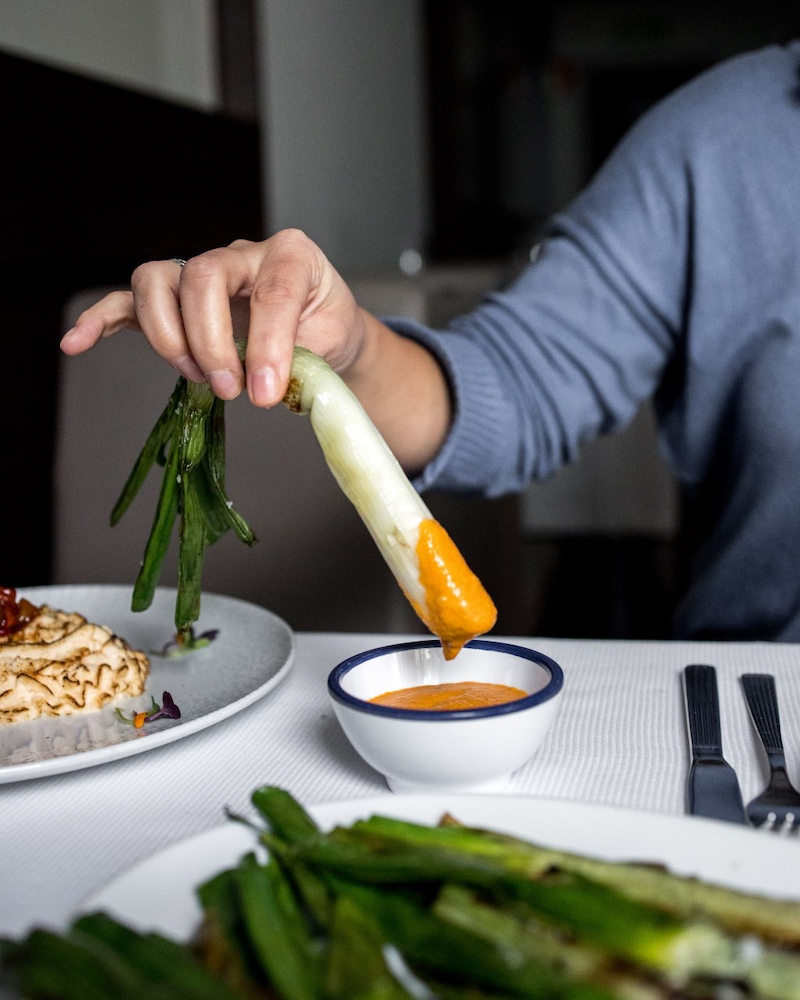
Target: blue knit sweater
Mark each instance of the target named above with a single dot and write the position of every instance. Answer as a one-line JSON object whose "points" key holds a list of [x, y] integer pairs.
{"points": [[676, 275]]}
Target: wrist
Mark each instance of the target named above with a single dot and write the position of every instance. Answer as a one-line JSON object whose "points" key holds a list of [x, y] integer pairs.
{"points": [[369, 337], [403, 389]]}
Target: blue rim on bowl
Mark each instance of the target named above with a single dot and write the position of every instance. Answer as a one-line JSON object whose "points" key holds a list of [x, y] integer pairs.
{"points": [[550, 689]]}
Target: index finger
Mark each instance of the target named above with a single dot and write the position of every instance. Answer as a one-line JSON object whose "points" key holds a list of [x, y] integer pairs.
{"points": [[114, 312]]}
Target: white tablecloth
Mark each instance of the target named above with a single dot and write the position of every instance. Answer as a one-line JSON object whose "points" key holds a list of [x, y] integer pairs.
{"points": [[620, 738]]}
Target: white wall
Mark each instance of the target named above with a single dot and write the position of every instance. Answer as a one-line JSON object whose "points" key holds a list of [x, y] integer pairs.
{"points": [[162, 47], [344, 125]]}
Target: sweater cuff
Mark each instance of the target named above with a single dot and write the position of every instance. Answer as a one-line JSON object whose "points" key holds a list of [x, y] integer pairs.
{"points": [[466, 461]]}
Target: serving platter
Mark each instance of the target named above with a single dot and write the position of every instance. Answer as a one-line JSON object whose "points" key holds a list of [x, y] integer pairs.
{"points": [[252, 653], [721, 853]]}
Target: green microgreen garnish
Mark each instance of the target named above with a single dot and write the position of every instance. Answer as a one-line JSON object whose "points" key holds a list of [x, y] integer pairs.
{"points": [[187, 642]]}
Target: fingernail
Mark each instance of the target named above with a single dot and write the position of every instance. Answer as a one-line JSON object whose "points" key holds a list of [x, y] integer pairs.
{"points": [[225, 384], [263, 386], [189, 368], [68, 335]]}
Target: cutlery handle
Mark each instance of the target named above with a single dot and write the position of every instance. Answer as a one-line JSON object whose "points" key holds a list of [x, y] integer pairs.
{"points": [[702, 709], [762, 700]]}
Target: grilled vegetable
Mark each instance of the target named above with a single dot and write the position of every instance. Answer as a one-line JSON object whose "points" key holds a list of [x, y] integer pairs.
{"points": [[687, 931], [639, 927], [100, 959], [356, 963], [430, 570], [189, 440], [737, 912]]}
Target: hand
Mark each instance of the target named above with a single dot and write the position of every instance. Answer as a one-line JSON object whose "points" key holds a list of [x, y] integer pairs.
{"points": [[277, 293]]}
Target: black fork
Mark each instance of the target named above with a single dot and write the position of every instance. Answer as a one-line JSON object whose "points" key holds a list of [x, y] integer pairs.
{"points": [[778, 806]]}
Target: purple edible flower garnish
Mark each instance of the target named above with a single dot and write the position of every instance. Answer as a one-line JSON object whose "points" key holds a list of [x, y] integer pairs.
{"points": [[187, 642], [168, 710]]}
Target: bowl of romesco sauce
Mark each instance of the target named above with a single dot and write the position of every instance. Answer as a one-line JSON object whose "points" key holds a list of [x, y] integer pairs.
{"points": [[429, 724]]}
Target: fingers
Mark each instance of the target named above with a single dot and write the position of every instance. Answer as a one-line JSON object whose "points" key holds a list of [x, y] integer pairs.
{"points": [[155, 291], [208, 284], [151, 306], [112, 313], [187, 313], [286, 287]]}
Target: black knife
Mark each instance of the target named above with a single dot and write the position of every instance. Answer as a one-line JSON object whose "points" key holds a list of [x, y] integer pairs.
{"points": [[712, 787]]}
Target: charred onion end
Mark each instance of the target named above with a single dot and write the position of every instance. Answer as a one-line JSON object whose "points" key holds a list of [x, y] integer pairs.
{"points": [[293, 398]]}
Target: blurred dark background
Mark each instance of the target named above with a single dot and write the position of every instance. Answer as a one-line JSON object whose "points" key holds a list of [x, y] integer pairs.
{"points": [[423, 144]]}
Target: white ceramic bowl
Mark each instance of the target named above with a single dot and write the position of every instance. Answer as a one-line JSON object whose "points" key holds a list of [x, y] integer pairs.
{"points": [[474, 750]]}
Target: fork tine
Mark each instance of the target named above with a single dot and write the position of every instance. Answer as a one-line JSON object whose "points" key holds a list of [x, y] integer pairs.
{"points": [[770, 822], [787, 825]]}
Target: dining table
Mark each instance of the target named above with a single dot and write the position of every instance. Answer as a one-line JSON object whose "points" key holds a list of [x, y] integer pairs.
{"points": [[619, 740]]}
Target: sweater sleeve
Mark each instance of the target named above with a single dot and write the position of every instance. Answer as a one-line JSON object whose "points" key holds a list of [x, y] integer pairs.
{"points": [[572, 348]]}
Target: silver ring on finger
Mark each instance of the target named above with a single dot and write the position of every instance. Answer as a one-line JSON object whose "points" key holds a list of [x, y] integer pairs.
{"points": [[179, 261]]}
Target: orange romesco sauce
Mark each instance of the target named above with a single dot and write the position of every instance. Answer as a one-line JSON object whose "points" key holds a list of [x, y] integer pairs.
{"points": [[457, 608], [450, 697]]}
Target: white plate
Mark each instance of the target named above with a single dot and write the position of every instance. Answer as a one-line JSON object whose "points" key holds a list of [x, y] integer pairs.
{"points": [[252, 653], [730, 855]]}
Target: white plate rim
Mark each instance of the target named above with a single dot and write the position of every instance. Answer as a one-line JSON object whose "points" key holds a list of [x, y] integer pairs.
{"points": [[723, 853], [79, 760]]}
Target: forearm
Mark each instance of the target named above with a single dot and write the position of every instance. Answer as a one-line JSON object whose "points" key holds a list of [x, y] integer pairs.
{"points": [[404, 390]]}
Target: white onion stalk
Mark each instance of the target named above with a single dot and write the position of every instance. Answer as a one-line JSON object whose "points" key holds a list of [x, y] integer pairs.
{"points": [[393, 511]]}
